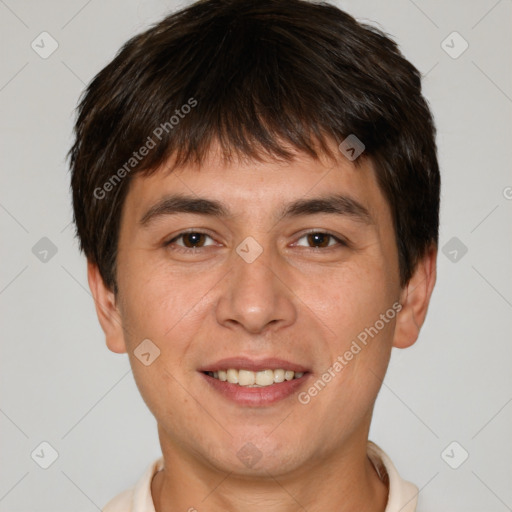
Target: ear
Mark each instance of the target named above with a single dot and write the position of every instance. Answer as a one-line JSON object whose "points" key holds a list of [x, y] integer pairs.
{"points": [[107, 310], [415, 298]]}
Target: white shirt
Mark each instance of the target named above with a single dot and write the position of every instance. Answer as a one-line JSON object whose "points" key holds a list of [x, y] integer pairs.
{"points": [[402, 497]]}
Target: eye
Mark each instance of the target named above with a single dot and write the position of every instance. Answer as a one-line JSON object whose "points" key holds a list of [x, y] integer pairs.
{"points": [[191, 240], [321, 239]]}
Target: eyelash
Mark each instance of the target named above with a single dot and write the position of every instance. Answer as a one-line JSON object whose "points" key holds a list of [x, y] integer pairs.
{"points": [[169, 243]]}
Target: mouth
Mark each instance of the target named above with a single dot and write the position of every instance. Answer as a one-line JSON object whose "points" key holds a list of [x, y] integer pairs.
{"points": [[255, 383], [251, 379]]}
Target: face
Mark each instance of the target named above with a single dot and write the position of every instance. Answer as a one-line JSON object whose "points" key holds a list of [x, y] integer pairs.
{"points": [[282, 266]]}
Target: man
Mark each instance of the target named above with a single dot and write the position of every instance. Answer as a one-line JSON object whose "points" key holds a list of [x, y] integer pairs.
{"points": [[256, 190]]}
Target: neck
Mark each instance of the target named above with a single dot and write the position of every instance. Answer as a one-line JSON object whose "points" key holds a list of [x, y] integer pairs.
{"points": [[348, 481]]}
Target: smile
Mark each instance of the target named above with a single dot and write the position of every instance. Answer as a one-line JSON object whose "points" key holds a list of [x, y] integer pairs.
{"points": [[248, 378], [255, 382]]}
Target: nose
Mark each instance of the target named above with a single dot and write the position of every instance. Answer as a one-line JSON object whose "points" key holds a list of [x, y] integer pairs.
{"points": [[256, 295]]}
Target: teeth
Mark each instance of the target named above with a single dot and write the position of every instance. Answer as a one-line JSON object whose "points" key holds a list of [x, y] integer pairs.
{"points": [[245, 378], [279, 375], [265, 378], [251, 379], [232, 376]]}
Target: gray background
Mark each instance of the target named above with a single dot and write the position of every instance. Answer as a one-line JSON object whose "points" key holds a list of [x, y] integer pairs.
{"points": [[59, 382]]}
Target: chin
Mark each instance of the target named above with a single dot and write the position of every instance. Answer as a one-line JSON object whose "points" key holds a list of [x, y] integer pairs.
{"points": [[259, 455]]}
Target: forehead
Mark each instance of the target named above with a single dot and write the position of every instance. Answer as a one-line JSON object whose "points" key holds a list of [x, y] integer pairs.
{"points": [[259, 189]]}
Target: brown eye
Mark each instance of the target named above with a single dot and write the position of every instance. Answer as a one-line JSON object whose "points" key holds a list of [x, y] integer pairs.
{"points": [[321, 240], [190, 240]]}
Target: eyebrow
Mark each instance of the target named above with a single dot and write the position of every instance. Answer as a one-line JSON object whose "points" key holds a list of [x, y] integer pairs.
{"points": [[337, 204]]}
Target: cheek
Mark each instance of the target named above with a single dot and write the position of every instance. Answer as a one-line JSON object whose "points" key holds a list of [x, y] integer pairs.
{"points": [[362, 346], [159, 302], [360, 340], [353, 300]]}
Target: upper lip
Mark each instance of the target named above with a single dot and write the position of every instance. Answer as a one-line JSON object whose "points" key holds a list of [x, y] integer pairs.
{"points": [[255, 365]]}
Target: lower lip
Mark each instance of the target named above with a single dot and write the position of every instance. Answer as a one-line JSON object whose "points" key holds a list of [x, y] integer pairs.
{"points": [[256, 397]]}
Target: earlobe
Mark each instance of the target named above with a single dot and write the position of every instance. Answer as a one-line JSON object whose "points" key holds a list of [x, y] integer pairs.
{"points": [[106, 309], [415, 298]]}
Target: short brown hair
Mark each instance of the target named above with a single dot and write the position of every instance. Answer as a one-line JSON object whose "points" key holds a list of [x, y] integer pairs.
{"points": [[254, 77]]}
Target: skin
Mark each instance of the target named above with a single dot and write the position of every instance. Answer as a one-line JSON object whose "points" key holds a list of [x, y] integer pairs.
{"points": [[295, 301]]}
